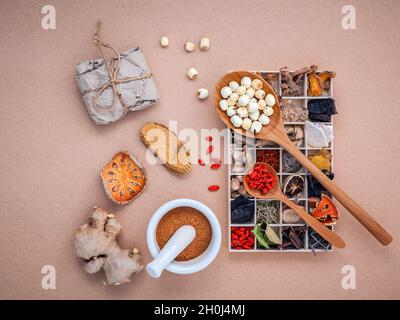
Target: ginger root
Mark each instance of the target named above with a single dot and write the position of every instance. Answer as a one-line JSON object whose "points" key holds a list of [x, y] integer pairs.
{"points": [[96, 243]]}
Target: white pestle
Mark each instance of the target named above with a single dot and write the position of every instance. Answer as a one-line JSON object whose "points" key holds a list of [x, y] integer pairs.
{"points": [[175, 245]]}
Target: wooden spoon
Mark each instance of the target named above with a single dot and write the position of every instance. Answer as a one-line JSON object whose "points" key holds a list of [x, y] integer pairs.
{"points": [[276, 193], [276, 133]]}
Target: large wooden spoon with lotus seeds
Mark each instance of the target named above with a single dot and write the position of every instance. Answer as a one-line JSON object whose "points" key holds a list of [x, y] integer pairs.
{"points": [[276, 193], [276, 133]]}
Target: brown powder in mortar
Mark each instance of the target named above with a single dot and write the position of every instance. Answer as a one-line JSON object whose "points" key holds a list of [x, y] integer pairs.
{"points": [[179, 217]]}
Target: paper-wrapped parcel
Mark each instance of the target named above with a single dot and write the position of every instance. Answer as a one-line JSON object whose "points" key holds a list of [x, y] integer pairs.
{"points": [[133, 87]]}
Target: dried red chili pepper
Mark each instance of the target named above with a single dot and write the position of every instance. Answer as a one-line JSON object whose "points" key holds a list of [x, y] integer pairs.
{"points": [[213, 188]]}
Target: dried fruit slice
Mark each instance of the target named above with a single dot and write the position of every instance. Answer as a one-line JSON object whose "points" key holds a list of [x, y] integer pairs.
{"points": [[123, 178], [165, 145], [326, 211]]}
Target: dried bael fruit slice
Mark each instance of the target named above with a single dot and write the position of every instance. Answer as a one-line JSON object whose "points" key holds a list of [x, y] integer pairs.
{"points": [[165, 145], [326, 211], [123, 178]]}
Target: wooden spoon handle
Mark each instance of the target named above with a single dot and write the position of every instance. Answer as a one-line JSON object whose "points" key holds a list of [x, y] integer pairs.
{"points": [[359, 213], [322, 230]]}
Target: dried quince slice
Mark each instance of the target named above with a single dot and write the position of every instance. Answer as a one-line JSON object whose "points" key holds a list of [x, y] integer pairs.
{"points": [[167, 147], [326, 211], [123, 178]]}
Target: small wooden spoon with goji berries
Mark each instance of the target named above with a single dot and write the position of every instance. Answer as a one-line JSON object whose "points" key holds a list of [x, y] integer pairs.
{"points": [[277, 194]]}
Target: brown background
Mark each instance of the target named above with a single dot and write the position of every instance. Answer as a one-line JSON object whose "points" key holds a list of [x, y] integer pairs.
{"points": [[51, 151]]}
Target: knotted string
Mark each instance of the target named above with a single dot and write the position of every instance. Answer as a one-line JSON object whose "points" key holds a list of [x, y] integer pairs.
{"points": [[112, 70]]}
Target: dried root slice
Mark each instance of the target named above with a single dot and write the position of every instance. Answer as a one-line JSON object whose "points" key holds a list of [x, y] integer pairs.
{"points": [[123, 178], [165, 145]]}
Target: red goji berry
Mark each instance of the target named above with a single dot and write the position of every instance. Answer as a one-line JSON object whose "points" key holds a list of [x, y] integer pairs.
{"points": [[213, 188], [209, 138], [215, 165], [210, 149], [201, 162]]}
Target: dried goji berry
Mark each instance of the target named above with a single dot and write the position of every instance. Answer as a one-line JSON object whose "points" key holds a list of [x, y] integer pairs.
{"points": [[213, 188], [210, 149], [209, 138], [201, 162], [215, 165]]}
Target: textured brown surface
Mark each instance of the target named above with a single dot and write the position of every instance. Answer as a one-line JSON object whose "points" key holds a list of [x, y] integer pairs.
{"points": [[179, 217], [52, 152]]}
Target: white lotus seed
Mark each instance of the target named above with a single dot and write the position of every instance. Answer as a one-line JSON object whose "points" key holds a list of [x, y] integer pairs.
{"points": [[264, 119], [237, 121], [164, 41], [268, 111], [204, 44], [256, 127], [192, 73], [234, 97], [231, 111], [246, 124], [270, 99], [242, 112], [202, 93], [246, 82], [243, 100], [260, 94], [254, 115], [189, 46], [233, 85], [253, 100], [223, 104], [230, 102], [250, 92], [256, 84], [252, 107], [261, 104], [241, 90], [226, 92]]}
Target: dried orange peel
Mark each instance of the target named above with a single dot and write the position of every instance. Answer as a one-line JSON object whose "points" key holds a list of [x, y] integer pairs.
{"points": [[123, 178]]}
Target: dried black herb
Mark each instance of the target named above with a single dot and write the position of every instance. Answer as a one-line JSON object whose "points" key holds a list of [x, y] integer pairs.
{"points": [[321, 110], [242, 210], [314, 187]]}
